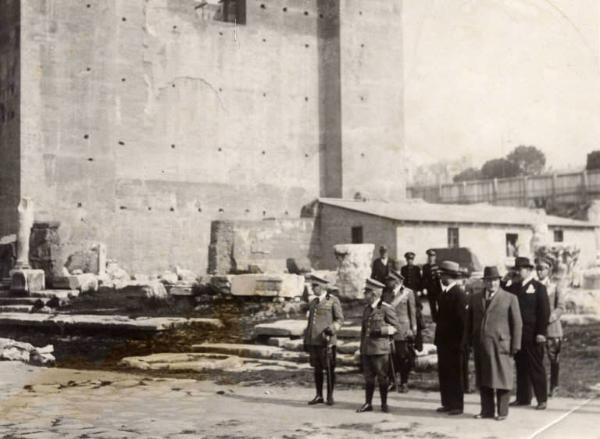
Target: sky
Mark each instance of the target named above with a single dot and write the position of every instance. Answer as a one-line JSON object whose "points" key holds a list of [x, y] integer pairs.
{"points": [[484, 76]]}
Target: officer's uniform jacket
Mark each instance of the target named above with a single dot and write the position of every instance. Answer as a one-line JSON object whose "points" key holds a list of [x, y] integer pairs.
{"points": [[556, 299], [372, 342], [406, 312], [322, 314], [535, 308], [412, 277]]}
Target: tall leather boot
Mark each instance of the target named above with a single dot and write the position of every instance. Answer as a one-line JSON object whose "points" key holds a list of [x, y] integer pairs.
{"points": [[383, 392], [318, 399], [368, 405], [554, 369], [330, 387]]}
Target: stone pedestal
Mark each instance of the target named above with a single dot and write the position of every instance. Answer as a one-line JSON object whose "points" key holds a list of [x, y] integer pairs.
{"points": [[354, 267], [44, 249], [26, 280], [267, 285]]}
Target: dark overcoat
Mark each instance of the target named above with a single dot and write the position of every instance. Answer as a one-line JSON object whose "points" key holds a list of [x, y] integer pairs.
{"points": [[495, 334]]}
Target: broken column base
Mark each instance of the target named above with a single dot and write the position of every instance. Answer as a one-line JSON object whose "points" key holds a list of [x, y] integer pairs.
{"points": [[26, 280]]}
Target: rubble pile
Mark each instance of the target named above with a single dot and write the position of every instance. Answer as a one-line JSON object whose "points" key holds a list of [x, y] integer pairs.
{"points": [[12, 350]]}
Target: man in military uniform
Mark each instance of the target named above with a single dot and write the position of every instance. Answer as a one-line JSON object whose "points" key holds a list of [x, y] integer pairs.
{"points": [[554, 288], [402, 299], [382, 265], [379, 323], [450, 339], [414, 280], [325, 318], [431, 282], [535, 312]]}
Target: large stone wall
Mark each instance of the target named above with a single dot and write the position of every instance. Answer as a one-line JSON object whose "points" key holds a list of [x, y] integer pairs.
{"points": [[9, 115], [271, 246], [145, 120]]}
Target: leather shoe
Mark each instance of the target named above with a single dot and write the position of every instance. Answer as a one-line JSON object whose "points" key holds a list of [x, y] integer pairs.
{"points": [[455, 412], [403, 388], [385, 408], [518, 403], [365, 408], [442, 410], [500, 418], [541, 406], [482, 416], [330, 400], [316, 400]]}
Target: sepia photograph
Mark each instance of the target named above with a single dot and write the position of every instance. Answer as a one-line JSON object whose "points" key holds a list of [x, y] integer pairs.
{"points": [[300, 219]]}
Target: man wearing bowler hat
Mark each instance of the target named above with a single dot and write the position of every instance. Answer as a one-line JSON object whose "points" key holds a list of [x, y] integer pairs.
{"points": [[402, 299], [325, 318], [535, 312], [494, 330], [450, 339], [379, 323], [382, 265]]}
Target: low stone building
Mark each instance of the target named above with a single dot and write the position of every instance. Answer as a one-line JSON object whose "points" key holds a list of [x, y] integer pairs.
{"points": [[493, 233]]}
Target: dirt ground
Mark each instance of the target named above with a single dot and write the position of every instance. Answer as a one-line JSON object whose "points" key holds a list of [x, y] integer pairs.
{"points": [[65, 403]]}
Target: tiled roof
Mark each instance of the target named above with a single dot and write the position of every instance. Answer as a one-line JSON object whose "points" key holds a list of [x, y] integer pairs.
{"points": [[420, 211]]}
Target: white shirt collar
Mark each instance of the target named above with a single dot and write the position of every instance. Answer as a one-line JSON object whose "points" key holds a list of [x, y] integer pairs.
{"points": [[489, 295], [375, 304], [529, 279], [384, 260], [322, 296], [447, 288]]}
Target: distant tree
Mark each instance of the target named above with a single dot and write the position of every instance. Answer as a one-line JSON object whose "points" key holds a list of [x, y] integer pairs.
{"points": [[528, 159], [593, 160], [468, 174], [499, 168]]}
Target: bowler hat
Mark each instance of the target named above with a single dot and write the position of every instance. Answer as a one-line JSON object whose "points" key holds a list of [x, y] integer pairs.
{"points": [[430, 252], [394, 274], [522, 262], [372, 284], [491, 272], [409, 255], [383, 248], [450, 268]]}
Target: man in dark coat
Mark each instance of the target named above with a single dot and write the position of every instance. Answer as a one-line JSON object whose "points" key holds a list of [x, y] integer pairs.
{"points": [[402, 299], [379, 323], [494, 330], [535, 313], [450, 339], [431, 282], [325, 318], [382, 265]]}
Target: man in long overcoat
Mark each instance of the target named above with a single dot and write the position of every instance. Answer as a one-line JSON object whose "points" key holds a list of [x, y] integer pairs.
{"points": [[494, 330], [450, 339]]}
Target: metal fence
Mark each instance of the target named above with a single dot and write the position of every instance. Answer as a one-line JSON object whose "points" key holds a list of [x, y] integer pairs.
{"points": [[518, 191]]}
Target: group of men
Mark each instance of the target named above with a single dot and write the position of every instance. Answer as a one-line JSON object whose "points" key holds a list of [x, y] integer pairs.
{"points": [[511, 318]]}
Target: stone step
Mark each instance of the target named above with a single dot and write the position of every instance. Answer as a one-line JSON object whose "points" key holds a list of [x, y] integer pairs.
{"points": [[15, 308], [101, 322], [264, 352], [281, 328], [9, 301], [203, 362], [60, 294], [349, 332]]}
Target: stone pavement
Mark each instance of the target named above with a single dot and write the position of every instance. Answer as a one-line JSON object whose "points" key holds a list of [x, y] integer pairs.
{"points": [[61, 403]]}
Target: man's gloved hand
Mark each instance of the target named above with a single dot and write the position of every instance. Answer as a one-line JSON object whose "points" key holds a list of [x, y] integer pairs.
{"points": [[328, 331], [540, 338], [388, 330]]}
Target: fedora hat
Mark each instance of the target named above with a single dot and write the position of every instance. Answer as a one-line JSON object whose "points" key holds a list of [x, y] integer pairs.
{"points": [[450, 268], [491, 273], [522, 262]]}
